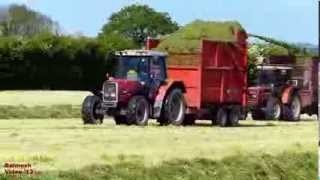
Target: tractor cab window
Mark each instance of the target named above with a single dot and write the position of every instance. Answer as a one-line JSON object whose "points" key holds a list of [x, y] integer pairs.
{"points": [[273, 76], [157, 68], [132, 68]]}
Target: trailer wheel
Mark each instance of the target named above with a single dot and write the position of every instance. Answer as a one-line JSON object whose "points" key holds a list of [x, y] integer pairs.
{"points": [[119, 120], [257, 114], [273, 109], [291, 111], [222, 117], [138, 111], [174, 108], [89, 113], [234, 116]]}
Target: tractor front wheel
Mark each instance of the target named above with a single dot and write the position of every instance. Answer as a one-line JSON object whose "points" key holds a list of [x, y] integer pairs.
{"points": [[138, 111], [273, 109], [90, 106]]}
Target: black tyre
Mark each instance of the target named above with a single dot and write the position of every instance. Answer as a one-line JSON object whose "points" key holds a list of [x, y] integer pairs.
{"points": [[189, 120], [222, 117], [174, 108], [273, 109], [89, 110], [234, 116], [292, 110], [119, 120], [138, 111], [258, 114]]}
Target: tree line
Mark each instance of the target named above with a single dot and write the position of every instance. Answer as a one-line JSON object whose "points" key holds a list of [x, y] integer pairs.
{"points": [[34, 54]]}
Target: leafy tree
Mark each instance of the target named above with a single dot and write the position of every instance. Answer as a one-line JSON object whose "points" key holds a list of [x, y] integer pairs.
{"points": [[139, 22], [22, 21]]}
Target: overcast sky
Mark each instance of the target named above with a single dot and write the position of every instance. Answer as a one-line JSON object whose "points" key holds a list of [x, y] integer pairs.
{"points": [[290, 20]]}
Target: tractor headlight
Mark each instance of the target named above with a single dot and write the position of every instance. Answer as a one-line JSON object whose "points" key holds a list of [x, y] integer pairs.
{"points": [[110, 92]]}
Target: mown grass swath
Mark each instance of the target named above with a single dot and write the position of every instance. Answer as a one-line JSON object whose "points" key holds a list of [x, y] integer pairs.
{"points": [[288, 165]]}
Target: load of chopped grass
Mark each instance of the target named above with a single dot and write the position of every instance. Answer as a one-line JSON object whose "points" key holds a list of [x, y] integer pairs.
{"points": [[188, 39]]}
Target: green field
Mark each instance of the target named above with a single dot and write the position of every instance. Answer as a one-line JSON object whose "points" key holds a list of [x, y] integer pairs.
{"points": [[67, 149], [41, 98]]}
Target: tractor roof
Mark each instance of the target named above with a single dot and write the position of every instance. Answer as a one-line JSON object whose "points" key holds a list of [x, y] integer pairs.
{"points": [[140, 53], [274, 67]]}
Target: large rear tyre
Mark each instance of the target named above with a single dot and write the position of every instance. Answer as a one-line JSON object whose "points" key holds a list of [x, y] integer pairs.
{"points": [[222, 117], [273, 109], [138, 111], [174, 108], [89, 110], [292, 110]]}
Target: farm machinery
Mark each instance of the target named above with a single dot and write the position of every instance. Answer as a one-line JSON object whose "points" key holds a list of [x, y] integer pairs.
{"points": [[286, 86], [212, 86], [209, 84], [284, 89]]}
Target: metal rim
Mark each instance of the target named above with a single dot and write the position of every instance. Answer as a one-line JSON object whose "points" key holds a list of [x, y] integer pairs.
{"points": [[176, 107], [276, 110], [140, 112], [296, 106]]}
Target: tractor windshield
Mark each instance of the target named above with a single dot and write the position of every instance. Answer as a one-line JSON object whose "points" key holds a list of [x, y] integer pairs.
{"points": [[132, 68], [272, 76]]}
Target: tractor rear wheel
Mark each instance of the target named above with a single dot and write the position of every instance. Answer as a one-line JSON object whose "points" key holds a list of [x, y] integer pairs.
{"points": [[222, 117], [89, 113], [273, 109], [174, 108], [292, 110], [138, 111]]}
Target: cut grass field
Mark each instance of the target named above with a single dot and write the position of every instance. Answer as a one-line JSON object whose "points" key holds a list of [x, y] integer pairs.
{"points": [[41, 98], [67, 149]]}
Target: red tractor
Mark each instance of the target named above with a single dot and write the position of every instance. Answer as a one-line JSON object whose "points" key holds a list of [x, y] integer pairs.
{"points": [[130, 95], [214, 88], [285, 88]]}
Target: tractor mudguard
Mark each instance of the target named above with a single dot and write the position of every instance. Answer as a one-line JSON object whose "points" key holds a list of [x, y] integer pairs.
{"points": [[162, 92], [286, 94]]}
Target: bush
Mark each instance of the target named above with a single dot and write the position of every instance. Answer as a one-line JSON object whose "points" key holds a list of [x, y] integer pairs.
{"points": [[47, 61]]}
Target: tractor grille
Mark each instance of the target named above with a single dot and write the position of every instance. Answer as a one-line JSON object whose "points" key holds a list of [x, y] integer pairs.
{"points": [[110, 93]]}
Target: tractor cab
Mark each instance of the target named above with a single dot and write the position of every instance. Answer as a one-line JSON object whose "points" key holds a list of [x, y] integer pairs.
{"points": [[273, 75], [141, 66]]}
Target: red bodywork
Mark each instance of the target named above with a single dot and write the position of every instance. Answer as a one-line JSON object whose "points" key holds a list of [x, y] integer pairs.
{"points": [[306, 75], [219, 77], [127, 89]]}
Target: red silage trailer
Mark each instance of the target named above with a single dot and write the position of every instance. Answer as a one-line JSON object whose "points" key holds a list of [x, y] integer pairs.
{"points": [[215, 80]]}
